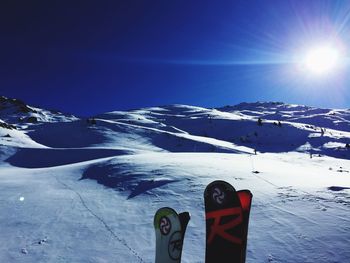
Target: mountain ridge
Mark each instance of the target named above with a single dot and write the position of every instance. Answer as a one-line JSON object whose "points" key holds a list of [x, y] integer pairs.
{"points": [[257, 127]]}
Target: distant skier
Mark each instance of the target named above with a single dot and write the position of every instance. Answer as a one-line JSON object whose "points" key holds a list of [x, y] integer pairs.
{"points": [[260, 122]]}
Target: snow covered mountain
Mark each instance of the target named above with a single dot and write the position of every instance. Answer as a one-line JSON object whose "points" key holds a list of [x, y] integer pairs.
{"points": [[15, 111], [86, 189]]}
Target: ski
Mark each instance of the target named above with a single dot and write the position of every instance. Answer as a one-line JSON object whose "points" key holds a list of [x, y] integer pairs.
{"points": [[170, 229], [184, 219], [245, 198], [226, 223]]}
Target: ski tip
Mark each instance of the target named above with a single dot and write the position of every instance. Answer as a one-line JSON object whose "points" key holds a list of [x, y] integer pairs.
{"points": [[220, 194], [245, 197], [185, 215], [163, 212], [219, 182]]}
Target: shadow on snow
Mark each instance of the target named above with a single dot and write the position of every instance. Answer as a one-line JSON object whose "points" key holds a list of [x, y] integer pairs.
{"points": [[121, 178], [41, 158]]}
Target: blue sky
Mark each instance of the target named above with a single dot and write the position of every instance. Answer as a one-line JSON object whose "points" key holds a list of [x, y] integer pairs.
{"points": [[88, 57]]}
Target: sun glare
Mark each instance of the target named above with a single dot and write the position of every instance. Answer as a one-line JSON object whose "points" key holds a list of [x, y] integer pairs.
{"points": [[321, 60]]}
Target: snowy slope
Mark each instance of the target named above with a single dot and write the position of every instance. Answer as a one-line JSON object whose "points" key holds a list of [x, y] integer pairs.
{"points": [[337, 119], [77, 190]]}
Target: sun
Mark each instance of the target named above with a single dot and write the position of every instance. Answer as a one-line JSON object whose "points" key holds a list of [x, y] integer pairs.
{"points": [[321, 60]]}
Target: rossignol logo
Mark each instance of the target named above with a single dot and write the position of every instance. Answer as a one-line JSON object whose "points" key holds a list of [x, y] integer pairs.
{"points": [[175, 245], [218, 195], [164, 225], [222, 229]]}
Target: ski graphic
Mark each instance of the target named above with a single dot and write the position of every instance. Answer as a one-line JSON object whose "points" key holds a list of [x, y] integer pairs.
{"points": [[170, 230], [226, 228]]}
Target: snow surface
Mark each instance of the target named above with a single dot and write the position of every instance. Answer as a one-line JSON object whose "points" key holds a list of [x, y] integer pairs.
{"points": [[74, 191]]}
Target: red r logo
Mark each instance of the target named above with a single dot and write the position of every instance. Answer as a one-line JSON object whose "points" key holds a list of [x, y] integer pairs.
{"points": [[220, 229]]}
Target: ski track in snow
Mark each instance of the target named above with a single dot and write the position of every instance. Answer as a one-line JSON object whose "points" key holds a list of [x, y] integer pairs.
{"points": [[108, 228]]}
